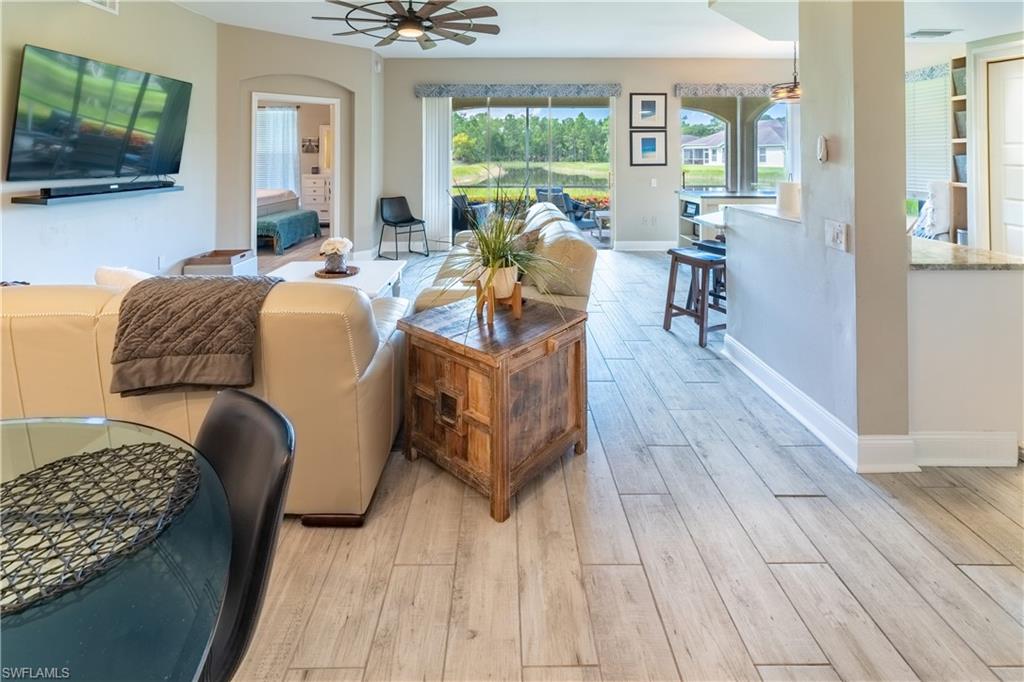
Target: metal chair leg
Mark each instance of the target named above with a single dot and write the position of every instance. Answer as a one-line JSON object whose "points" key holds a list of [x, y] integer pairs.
{"points": [[380, 244], [426, 247]]}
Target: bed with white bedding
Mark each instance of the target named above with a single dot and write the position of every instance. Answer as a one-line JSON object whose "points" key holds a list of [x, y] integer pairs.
{"points": [[269, 201]]}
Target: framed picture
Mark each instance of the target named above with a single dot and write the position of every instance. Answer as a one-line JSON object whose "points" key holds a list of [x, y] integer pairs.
{"points": [[647, 148], [647, 109], [311, 145]]}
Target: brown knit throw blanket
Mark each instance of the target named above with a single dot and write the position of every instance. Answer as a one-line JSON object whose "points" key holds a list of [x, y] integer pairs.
{"points": [[187, 333]]}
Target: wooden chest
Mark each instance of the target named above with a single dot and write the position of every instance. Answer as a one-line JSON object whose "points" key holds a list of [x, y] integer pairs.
{"points": [[494, 405]]}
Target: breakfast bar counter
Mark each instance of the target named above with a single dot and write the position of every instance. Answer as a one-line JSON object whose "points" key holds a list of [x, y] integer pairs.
{"points": [[928, 254]]}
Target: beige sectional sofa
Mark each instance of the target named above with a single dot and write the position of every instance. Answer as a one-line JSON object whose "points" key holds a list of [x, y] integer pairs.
{"points": [[559, 240], [327, 357]]}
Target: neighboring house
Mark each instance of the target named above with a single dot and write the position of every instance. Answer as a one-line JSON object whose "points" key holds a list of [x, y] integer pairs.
{"points": [[710, 149]]}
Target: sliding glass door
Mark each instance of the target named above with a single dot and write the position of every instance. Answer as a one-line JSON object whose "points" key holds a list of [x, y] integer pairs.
{"points": [[541, 144]]}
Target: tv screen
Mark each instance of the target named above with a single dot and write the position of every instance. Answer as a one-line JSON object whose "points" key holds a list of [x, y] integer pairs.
{"points": [[81, 118]]}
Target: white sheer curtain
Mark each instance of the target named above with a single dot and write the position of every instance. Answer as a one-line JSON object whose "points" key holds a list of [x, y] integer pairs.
{"points": [[277, 148], [437, 169]]}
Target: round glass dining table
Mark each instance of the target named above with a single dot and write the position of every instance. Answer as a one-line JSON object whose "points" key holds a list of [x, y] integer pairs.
{"points": [[151, 616]]}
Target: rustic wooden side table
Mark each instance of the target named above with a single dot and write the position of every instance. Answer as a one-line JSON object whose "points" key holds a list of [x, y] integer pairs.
{"points": [[495, 404]]}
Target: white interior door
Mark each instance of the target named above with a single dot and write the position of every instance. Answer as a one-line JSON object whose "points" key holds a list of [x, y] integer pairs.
{"points": [[1006, 155]]}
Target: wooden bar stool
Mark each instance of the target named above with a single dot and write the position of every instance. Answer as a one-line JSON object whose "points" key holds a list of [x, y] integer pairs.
{"points": [[704, 267]]}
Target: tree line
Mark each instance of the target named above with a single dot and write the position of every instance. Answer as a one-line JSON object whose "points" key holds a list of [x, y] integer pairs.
{"points": [[572, 139]]}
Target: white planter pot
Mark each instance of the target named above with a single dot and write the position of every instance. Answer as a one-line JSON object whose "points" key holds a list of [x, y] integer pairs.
{"points": [[503, 280]]}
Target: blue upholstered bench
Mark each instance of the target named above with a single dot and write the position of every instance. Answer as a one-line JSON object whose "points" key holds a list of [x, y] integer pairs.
{"points": [[288, 228]]}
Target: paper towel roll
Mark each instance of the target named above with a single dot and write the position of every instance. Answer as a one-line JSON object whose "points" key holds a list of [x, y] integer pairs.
{"points": [[787, 199]]}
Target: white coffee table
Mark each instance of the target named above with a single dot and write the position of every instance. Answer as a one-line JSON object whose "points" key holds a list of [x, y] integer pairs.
{"points": [[375, 277]]}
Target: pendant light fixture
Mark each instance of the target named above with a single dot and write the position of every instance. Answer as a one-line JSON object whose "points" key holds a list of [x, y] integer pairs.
{"points": [[788, 92]]}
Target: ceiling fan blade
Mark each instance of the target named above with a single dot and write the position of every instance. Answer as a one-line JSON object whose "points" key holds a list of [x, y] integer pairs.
{"points": [[477, 28], [350, 5], [482, 12], [430, 7], [425, 42], [375, 21], [399, 8], [349, 33], [451, 35], [395, 35]]}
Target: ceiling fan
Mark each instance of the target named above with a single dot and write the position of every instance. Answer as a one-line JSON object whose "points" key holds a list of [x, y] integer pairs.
{"points": [[421, 22]]}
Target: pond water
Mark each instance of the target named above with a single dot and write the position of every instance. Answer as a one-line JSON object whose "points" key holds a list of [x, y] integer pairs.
{"points": [[538, 177]]}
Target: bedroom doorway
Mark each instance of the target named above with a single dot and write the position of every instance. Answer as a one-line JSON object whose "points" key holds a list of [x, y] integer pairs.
{"points": [[294, 202]]}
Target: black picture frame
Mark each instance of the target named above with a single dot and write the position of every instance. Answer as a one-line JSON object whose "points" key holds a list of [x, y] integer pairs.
{"points": [[635, 155], [660, 100]]}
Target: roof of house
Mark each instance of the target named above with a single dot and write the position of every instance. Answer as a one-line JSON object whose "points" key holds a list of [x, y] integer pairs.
{"points": [[770, 133]]}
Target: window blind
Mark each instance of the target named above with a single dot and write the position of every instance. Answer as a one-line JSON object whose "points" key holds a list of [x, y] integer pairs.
{"points": [[928, 134], [276, 161]]}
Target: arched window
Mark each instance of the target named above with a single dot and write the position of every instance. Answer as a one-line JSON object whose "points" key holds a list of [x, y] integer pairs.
{"points": [[705, 148], [777, 156]]}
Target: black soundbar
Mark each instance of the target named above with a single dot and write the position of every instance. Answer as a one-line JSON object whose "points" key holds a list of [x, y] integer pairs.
{"points": [[86, 190]]}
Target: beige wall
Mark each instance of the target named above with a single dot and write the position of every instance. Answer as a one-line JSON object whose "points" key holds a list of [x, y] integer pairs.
{"points": [[65, 243], [918, 55], [256, 61], [879, 232], [643, 212]]}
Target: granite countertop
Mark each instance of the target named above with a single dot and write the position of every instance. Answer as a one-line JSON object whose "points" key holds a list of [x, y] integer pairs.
{"points": [[715, 219], [721, 192], [928, 254], [766, 210]]}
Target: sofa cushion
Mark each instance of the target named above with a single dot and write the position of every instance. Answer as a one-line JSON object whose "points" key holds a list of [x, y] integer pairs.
{"points": [[538, 208], [570, 255], [121, 279]]}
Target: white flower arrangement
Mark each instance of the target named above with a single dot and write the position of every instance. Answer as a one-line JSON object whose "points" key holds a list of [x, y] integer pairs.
{"points": [[335, 246]]}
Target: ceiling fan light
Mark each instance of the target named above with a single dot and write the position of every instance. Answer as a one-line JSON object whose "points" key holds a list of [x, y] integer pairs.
{"points": [[409, 28]]}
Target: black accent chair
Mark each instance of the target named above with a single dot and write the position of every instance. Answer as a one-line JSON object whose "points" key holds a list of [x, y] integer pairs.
{"points": [[395, 213], [251, 446]]}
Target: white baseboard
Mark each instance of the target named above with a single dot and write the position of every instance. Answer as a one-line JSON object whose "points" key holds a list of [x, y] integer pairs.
{"points": [[966, 448], [886, 454], [644, 246], [863, 454]]}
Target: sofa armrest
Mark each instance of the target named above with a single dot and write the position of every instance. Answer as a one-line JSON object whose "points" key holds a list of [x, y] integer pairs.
{"points": [[441, 294], [462, 238]]}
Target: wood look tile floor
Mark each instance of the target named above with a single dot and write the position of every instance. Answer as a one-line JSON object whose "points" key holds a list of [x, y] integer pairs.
{"points": [[705, 535]]}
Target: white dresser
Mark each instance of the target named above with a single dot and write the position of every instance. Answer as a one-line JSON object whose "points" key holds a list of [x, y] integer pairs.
{"points": [[316, 195]]}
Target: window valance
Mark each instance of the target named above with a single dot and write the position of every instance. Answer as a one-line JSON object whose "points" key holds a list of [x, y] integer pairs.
{"points": [[519, 90], [723, 89], [927, 73]]}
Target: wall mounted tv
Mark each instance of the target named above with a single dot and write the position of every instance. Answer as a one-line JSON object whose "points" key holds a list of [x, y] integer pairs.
{"points": [[80, 118]]}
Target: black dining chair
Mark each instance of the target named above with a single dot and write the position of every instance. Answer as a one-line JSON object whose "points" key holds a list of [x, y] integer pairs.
{"points": [[251, 446], [395, 213]]}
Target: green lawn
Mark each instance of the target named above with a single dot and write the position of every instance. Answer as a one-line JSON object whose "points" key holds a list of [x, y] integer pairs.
{"points": [[586, 181], [714, 176]]}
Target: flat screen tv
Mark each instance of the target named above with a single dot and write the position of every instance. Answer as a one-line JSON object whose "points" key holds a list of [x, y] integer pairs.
{"points": [[79, 118]]}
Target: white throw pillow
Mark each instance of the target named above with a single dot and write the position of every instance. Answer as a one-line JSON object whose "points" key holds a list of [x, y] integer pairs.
{"points": [[119, 278]]}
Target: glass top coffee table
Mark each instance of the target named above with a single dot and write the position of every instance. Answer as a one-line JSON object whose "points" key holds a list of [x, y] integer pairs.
{"points": [[149, 614], [375, 277]]}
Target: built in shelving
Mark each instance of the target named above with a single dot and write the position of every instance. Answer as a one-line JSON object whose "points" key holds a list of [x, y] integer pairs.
{"points": [[958, 131]]}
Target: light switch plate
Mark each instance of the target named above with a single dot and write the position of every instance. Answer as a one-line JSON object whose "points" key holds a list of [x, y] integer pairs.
{"points": [[654, 182], [837, 235]]}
